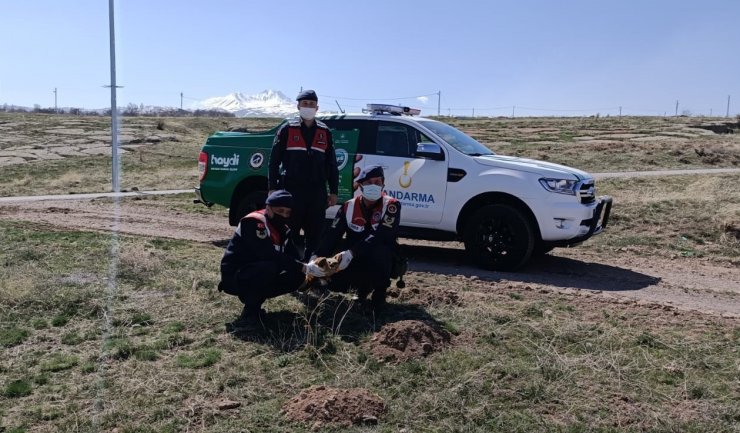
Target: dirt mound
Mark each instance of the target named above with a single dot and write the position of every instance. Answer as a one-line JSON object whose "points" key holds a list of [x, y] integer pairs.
{"points": [[426, 296], [321, 405], [408, 339]]}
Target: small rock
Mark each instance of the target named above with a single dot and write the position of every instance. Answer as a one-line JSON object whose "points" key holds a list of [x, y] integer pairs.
{"points": [[547, 313], [227, 404]]}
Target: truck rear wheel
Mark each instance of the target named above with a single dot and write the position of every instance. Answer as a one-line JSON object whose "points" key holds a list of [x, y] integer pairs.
{"points": [[253, 201], [499, 237]]}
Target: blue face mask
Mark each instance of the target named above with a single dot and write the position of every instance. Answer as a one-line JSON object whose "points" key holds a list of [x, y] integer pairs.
{"points": [[372, 192]]}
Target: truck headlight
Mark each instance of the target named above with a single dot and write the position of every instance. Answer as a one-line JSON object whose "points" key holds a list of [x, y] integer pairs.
{"points": [[560, 186]]}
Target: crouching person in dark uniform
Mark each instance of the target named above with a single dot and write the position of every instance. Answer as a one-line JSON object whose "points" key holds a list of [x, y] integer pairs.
{"points": [[370, 222], [261, 261]]}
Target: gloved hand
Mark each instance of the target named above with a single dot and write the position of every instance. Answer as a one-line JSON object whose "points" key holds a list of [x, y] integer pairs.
{"points": [[313, 269], [345, 257]]}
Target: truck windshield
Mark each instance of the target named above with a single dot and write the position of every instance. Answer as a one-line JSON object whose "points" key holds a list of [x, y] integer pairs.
{"points": [[456, 138]]}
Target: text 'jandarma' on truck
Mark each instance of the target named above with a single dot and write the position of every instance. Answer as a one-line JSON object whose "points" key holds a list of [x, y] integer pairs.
{"points": [[505, 209]]}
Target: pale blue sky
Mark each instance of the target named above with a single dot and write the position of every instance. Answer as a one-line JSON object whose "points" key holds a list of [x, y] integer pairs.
{"points": [[545, 57]]}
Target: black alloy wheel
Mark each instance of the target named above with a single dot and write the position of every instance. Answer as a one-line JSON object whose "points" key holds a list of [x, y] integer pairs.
{"points": [[499, 237]]}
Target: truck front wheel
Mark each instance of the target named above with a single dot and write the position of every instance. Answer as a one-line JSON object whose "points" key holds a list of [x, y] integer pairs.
{"points": [[499, 237]]}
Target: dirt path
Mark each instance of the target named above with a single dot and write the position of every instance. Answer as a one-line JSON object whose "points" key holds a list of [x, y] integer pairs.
{"points": [[666, 172], [682, 283], [134, 217]]}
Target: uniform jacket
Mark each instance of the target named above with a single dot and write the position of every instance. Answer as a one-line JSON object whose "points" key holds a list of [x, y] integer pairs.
{"points": [[303, 164], [257, 240], [364, 227]]}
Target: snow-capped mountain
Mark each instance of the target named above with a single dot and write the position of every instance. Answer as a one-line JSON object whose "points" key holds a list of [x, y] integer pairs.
{"points": [[268, 103]]}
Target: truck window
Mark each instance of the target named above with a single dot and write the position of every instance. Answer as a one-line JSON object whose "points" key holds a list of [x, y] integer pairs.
{"points": [[367, 128], [393, 140]]}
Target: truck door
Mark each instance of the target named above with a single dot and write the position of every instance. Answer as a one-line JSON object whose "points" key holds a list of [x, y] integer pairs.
{"points": [[420, 184]]}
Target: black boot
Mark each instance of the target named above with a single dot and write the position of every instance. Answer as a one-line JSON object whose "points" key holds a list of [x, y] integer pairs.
{"points": [[251, 317], [377, 302]]}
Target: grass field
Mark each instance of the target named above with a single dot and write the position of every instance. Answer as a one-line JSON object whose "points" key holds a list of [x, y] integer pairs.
{"points": [[521, 360], [147, 350], [674, 216], [154, 158], [166, 158]]}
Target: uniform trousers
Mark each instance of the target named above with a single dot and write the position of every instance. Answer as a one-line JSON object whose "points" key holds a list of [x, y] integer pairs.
{"points": [[309, 214], [370, 272], [258, 281]]}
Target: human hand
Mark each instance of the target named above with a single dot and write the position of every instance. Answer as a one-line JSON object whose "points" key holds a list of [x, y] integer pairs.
{"points": [[345, 257], [331, 200]]}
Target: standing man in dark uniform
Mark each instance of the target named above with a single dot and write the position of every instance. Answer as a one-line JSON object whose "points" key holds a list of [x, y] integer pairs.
{"points": [[303, 162], [261, 261], [370, 222]]}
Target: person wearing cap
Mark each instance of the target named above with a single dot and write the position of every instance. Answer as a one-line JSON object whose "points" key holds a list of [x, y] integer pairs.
{"points": [[303, 162], [370, 222], [261, 261]]}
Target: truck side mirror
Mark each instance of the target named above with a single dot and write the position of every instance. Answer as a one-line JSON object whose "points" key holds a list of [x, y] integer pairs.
{"points": [[430, 151]]}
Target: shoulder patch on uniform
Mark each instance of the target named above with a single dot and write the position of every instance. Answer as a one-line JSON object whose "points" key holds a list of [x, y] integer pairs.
{"points": [[392, 208], [261, 232]]}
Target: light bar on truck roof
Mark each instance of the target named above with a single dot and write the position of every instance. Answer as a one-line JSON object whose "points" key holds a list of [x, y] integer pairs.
{"points": [[391, 109]]}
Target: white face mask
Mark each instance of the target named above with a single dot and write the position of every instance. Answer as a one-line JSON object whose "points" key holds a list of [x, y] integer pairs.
{"points": [[372, 192], [307, 113]]}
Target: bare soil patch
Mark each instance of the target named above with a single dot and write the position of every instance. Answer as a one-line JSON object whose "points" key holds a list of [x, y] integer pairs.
{"points": [[322, 405], [408, 339], [427, 295]]}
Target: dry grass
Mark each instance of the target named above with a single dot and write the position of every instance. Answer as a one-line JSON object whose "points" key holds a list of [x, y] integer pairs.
{"points": [[524, 358], [607, 144], [597, 145], [689, 216], [153, 354]]}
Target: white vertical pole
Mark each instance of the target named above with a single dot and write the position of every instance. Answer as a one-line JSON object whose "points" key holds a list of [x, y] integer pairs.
{"points": [[113, 105]]}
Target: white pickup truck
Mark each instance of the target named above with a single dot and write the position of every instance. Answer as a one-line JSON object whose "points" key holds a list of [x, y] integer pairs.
{"points": [[451, 187], [505, 209]]}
